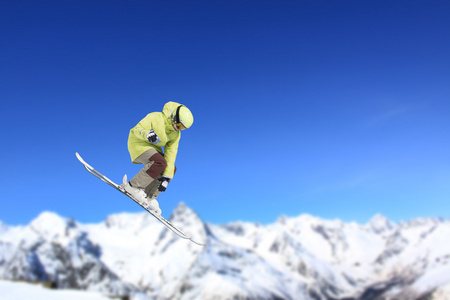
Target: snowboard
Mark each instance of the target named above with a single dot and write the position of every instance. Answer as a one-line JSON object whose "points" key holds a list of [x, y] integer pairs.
{"points": [[165, 222]]}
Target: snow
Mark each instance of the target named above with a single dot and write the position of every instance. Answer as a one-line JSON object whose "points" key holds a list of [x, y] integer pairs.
{"points": [[380, 224], [442, 293], [20, 290], [133, 252]]}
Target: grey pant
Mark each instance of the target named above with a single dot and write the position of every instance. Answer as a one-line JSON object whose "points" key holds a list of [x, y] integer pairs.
{"points": [[146, 178]]}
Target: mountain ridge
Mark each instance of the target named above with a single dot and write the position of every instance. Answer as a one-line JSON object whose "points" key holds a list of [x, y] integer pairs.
{"points": [[302, 257]]}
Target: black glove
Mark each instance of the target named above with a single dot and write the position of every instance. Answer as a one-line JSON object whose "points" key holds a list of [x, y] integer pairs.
{"points": [[152, 137], [164, 182]]}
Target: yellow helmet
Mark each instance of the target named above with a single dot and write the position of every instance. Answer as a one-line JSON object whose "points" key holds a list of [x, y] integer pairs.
{"points": [[184, 116]]}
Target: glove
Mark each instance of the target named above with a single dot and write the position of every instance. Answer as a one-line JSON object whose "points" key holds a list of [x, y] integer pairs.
{"points": [[152, 137], [164, 182]]}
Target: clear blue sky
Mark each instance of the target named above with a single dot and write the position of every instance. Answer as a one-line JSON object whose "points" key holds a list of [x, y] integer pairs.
{"points": [[339, 109]]}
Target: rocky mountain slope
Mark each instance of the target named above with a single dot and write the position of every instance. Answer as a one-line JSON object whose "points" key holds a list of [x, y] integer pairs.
{"points": [[294, 258]]}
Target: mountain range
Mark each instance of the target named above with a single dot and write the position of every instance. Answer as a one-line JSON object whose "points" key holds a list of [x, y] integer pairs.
{"points": [[302, 257]]}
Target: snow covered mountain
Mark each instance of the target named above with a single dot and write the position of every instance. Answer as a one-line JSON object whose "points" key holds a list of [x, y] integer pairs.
{"points": [[294, 258], [21, 290]]}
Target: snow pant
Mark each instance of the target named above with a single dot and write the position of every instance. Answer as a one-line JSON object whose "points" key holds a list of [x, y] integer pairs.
{"points": [[147, 177]]}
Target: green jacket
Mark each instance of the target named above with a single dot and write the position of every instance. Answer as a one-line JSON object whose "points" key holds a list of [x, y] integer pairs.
{"points": [[161, 123]]}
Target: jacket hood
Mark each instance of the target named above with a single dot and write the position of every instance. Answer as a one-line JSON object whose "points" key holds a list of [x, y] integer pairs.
{"points": [[169, 111]]}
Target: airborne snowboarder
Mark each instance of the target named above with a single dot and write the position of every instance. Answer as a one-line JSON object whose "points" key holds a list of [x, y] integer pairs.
{"points": [[145, 144]]}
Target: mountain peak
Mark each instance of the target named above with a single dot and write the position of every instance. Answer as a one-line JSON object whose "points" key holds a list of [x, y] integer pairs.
{"points": [[51, 225], [380, 224], [183, 211], [47, 219], [189, 220], [181, 208]]}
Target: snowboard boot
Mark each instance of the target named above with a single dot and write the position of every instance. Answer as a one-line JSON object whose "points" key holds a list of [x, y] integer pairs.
{"points": [[138, 194]]}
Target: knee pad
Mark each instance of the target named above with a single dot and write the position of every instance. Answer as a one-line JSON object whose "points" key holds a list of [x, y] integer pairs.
{"points": [[158, 166]]}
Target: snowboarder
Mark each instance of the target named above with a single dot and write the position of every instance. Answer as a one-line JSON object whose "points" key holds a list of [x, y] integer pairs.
{"points": [[145, 143]]}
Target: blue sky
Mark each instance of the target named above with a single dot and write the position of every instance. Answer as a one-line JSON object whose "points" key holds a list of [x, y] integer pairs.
{"points": [[339, 109]]}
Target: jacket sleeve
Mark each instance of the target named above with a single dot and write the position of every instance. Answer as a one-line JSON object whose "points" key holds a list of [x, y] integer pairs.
{"points": [[151, 121], [170, 154], [143, 127]]}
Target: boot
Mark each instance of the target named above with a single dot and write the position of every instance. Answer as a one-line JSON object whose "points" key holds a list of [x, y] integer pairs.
{"points": [[138, 194], [154, 205]]}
